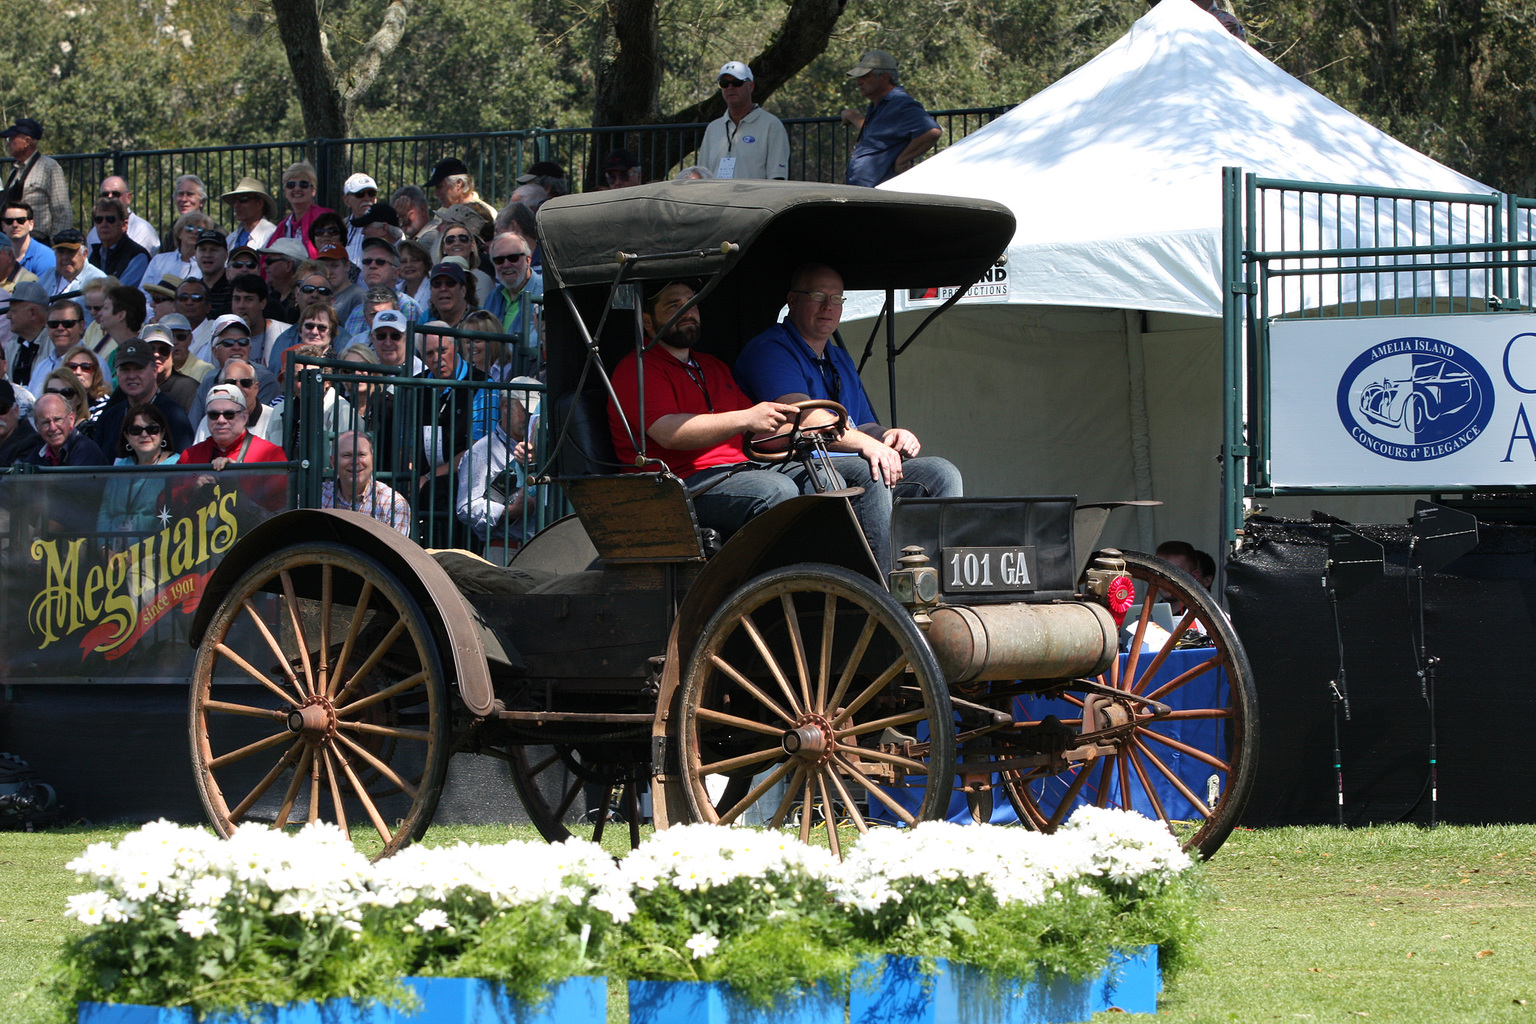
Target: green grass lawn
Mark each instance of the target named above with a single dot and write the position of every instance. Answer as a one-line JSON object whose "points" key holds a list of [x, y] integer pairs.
{"points": [[1311, 924]]}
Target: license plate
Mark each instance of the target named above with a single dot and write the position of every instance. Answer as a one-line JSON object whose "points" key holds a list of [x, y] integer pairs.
{"points": [[988, 570]]}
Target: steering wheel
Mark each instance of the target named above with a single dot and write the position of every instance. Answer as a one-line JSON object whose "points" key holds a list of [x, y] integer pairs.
{"points": [[791, 440]]}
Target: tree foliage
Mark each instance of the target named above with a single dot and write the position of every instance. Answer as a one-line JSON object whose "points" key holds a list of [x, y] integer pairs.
{"points": [[1449, 77]]}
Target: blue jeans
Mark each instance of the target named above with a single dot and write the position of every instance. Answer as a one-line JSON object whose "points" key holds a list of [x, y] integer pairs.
{"points": [[730, 503], [925, 477]]}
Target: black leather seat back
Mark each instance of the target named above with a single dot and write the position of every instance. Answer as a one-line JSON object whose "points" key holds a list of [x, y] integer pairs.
{"points": [[587, 449]]}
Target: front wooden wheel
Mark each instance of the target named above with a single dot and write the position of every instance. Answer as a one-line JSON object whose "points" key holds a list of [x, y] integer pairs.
{"points": [[318, 695], [581, 791], [1192, 769], [814, 686]]}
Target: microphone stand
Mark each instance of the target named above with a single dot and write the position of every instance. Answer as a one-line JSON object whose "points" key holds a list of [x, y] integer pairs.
{"points": [[1338, 689], [1424, 666]]}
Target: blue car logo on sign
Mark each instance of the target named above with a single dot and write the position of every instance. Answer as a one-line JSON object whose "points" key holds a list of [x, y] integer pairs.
{"points": [[1415, 399]]}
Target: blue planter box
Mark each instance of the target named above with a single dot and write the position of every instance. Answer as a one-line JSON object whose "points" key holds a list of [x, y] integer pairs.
{"points": [[443, 1001], [957, 994], [712, 1002]]}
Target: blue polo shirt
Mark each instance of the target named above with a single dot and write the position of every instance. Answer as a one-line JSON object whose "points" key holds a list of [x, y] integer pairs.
{"points": [[889, 125], [779, 362]]}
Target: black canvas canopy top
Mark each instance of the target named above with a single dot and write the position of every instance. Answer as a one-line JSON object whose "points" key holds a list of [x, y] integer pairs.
{"points": [[874, 238]]}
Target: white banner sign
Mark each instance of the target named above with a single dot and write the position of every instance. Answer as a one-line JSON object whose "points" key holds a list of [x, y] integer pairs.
{"points": [[991, 288], [1432, 402]]}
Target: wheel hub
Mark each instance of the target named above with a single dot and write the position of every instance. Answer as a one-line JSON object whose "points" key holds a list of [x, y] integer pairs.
{"points": [[811, 740], [315, 719]]}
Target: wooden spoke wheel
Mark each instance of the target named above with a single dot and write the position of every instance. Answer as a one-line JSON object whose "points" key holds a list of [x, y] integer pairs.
{"points": [[318, 695], [1192, 769], [812, 699], [581, 791]]}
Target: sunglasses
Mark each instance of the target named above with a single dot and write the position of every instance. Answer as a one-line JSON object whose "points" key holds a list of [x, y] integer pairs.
{"points": [[311, 325], [455, 239], [58, 324], [15, 220], [104, 219], [189, 297], [242, 264], [377, 261], [310, 289], [105, 194], [66, 392], [241, 382], [232, 343], [511, 257], [182, 335], [81, 367], [224, 414], [298, 185], [139, 430], [387, 335], [730, 83]]}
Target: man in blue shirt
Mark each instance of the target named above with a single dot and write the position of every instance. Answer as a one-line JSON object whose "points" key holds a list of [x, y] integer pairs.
{"points": [[17, 219], [894, 129], [793, 360]]}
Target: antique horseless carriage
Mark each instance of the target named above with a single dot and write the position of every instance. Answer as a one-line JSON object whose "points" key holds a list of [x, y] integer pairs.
{"points": [[628, 664]]}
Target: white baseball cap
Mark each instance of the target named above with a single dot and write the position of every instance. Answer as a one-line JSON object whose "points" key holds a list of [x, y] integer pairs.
{"points": [[736, 69], [389, 318], [359, 182]]}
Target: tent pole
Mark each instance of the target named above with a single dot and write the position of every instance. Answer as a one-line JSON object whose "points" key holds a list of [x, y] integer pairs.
{"points": [[1141, 432], [890, 349]]}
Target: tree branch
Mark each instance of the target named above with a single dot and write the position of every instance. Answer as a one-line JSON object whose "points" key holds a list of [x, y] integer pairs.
{"points": [[371, 61], [314, 74], [802, 36]]}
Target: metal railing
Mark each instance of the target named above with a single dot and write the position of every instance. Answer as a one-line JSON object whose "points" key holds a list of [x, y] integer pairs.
{"points": [[819, 150]]}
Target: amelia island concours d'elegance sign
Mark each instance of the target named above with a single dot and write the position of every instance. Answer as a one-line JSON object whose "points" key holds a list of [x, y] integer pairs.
{"points": [[1435, 402]]}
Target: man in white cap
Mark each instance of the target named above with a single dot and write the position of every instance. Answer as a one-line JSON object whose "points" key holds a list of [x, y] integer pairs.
{"points": [[229, 442], [232, 340], [746, 141], [387, 337], [254, 212], [358, 193], [894, 129]]}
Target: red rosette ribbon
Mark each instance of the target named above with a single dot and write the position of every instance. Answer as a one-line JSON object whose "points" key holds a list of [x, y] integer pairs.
{"points": [[1120, 595]]}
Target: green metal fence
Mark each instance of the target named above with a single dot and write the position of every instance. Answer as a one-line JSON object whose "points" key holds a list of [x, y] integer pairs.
{"points": [[819, 150], [1313, 250]]}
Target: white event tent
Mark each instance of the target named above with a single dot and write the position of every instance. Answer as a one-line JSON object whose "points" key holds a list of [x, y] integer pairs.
{"points": [[1097, 371]]}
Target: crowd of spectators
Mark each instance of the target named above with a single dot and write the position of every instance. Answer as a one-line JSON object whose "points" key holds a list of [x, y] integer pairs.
{"points": [[135, 344]]}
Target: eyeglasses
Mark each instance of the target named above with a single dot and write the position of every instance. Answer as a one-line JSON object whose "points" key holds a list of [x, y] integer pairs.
{"points": [[232, 343], [298, 185], [241, 382], [60, 324], [56, 421], [66, 392], [81, 367], [191, 297], [109, 194], [822, 298], [378, 261], [104, 218], [15, 220], [730, 83], [225, 414], [310, 289], [139, 430], [242, 264], [510, 257], [312, 326]]}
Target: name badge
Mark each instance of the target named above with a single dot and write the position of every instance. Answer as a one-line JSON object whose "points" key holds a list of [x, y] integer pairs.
{"points": [[727, 168], [988, 569]]}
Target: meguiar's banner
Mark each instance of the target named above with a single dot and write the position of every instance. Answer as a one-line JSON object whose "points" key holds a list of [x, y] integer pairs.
{"points": [[101, 572], [1431, 402]]}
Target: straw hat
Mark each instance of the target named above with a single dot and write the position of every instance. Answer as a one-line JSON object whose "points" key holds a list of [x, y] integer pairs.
{"points": [[250, 186]]}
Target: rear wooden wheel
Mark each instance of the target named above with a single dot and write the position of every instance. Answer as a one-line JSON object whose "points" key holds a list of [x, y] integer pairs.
{"points": [[318, 695], [814, 686], [1193, 769]]}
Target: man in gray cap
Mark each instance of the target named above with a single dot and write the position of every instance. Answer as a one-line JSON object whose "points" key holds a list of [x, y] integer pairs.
{"points": [[894, 129], [29, 328], [255, 213], [171, 382], [746, 141], [37, 180]]}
